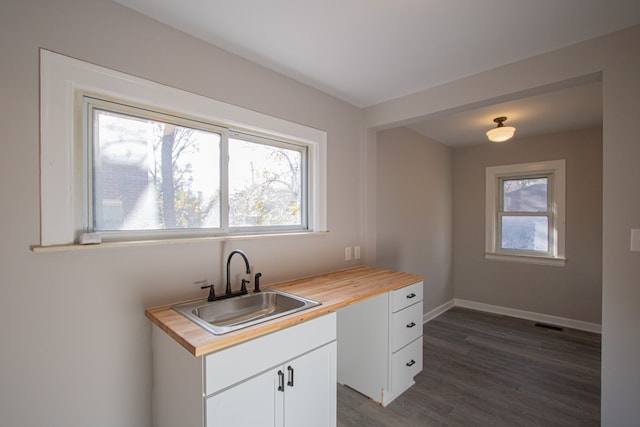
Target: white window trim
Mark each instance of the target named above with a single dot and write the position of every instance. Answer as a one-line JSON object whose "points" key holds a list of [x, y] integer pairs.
{"points": [[62, 78], [493, 174]]}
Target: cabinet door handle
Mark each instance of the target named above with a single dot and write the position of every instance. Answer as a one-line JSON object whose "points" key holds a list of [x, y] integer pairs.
{"points": [[290, 380], [280, 381], [411, 295], [413, 362], [411, 325]]}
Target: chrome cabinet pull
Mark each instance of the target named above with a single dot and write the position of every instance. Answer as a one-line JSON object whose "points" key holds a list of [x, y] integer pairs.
{"points": [[413, 362], [290, 381]]}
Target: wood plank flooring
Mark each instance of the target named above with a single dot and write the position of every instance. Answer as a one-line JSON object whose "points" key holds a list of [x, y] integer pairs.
{"points": [[483, 369]]}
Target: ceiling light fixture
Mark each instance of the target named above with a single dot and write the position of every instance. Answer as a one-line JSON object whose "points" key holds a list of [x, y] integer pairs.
{"points": [[501, 133]]}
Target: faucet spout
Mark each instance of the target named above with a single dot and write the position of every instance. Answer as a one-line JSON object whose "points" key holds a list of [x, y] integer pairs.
{"points": [[246, 263]]}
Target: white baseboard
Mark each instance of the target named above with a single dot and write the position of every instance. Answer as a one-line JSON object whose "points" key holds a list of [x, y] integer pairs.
{"points": [[529, 315], [437, 311], [521, 314]]}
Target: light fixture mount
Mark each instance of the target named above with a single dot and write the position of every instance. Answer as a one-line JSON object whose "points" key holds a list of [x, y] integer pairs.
{"points": [[499, 121], [501, 132]]}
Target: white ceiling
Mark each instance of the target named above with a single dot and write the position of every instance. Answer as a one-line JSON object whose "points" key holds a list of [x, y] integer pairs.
{"points": [[572, 108], [369, 51]]}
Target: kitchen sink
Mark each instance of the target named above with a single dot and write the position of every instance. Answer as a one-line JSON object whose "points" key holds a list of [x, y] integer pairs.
{"points": [[227, 315]]}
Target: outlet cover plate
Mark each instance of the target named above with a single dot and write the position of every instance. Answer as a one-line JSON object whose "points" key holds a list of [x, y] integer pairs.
{"points": [[635, 240]]}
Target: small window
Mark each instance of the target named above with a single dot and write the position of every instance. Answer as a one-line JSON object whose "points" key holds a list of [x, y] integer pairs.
{"points": [[525, 216], [525, 212]]}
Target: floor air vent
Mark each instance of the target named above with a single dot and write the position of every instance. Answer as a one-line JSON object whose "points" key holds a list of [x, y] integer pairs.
{"points": [[552, 327]]}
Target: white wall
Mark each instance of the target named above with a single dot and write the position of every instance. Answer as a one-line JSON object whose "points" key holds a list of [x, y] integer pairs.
{"points": [[76, 346], [415, 210], [615, 57], [573, 291], [75, 343]]}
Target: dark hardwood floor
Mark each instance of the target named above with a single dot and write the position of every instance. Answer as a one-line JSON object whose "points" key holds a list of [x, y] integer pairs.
{"points": [[482, 369]]}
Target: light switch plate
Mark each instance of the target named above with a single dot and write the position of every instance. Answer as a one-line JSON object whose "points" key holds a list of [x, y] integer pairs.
{"points": [[635, 239]]}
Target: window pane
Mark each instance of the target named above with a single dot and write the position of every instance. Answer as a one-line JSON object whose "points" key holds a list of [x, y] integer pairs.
{"points": [[264, 185], [150, 175], [529, 233], [525, 195]]}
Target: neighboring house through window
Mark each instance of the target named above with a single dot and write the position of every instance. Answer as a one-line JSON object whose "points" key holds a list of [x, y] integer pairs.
{"points": [[133, 160], [525, 212]]}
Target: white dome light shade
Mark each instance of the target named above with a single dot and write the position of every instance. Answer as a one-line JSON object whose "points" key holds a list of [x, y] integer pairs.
{"points": [[501, 133]]}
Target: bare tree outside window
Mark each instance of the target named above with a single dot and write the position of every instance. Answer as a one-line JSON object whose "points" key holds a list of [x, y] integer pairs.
{"points": [[153, 175], [525, 214], [264, 185]]}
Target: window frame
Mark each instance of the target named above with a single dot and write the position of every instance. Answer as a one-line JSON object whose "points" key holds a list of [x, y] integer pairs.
{"points": [[63, 80], [554, 170], [90, 102], [304, 202], [548, 213]]}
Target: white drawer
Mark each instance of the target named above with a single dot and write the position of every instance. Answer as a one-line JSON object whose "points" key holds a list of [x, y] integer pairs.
{"points": [[406, 364], [406, 296], [406, 326]]}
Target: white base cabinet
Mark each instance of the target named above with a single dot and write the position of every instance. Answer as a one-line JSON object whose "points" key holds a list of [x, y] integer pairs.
{"points": [[287, 378], [280, 396], [380, 343]]}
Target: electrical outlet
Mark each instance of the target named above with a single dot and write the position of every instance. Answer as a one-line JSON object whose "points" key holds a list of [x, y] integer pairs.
{"points": [[347, 253], [635, 239], [356, 252]]}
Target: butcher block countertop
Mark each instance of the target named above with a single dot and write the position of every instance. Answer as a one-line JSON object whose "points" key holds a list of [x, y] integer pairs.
{"points": [[334, 290]]}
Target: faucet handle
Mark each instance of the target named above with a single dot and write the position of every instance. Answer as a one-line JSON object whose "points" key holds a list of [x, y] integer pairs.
{"points": [[212, 292], [243, 289]]}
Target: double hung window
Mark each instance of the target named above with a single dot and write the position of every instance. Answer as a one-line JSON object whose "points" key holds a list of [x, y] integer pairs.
{"points": [[525, 212]]}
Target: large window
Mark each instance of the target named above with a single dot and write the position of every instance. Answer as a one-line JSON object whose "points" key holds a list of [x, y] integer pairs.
{"points": [[525, 212], [151, 172], [134, 160]]}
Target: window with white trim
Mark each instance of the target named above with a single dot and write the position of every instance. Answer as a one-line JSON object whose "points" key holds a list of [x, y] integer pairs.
{"points": [[135, 160], [525, 206], [149, 172]]}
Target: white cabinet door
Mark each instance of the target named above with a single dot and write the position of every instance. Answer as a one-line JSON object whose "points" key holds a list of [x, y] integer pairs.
{"points": [[255, 402], [239, 386], [302, 392], [310, 391]]}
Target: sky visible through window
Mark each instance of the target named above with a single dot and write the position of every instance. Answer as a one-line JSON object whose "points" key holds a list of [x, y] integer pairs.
{"points": [[140, 164], [524, 222]]}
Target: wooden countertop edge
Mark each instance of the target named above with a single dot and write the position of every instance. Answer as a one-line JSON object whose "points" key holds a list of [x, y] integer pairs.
{"points": [[334, 290]]}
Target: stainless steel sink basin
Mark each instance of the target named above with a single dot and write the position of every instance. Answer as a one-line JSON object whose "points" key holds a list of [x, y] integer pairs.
{"points": [[227, 315]]}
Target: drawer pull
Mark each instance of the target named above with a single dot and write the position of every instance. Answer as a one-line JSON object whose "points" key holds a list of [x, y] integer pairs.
{"points": [[411, 295], [413, 362], [411, 325], [280, 381], [290, 381]]}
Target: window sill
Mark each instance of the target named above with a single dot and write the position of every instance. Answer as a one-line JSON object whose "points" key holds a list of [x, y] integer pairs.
{"points": [[555, 262], [178, 241]]}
